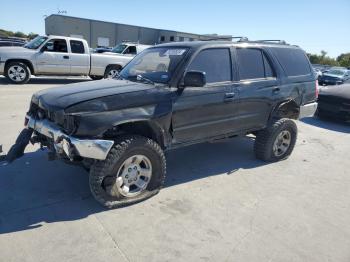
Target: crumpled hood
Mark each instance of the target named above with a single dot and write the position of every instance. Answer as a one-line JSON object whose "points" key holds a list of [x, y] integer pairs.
{"points": [[61, 97]]}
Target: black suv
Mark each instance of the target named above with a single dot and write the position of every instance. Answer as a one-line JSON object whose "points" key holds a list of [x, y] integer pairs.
{"points": [[169, 96]]}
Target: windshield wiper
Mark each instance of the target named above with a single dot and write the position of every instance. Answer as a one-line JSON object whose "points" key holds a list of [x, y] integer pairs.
{"points": [[142, 78]]}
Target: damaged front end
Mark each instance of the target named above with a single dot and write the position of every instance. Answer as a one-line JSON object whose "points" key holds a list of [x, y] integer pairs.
{"points": [[50, 135]]}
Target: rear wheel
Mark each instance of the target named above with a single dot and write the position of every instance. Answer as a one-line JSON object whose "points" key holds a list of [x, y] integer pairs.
{"points": [[112, 71], [17, 72], [277, 141], [134, 170]]}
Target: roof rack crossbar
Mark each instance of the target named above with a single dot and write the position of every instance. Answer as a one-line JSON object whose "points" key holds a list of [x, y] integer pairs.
{"points": [[277, 41], [240, 38]]}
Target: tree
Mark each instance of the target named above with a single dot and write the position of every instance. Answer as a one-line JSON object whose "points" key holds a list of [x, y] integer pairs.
{"points": [[6, 33], [344, 60], [323, 59]]}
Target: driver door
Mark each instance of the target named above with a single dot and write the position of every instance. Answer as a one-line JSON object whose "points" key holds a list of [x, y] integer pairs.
{"points": [[54, 58], [211, 110]]}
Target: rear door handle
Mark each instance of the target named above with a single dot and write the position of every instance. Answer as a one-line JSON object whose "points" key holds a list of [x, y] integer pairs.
{"points": [[65, 57], [276, 90], [229, 97]]}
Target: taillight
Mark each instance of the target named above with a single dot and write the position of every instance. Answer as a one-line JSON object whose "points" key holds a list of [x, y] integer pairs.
{"points": [[316, 91]]}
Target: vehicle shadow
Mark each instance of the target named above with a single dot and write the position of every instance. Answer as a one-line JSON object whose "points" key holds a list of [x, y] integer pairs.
{"points": [[34, 191], [327, 123], [47, 81]]}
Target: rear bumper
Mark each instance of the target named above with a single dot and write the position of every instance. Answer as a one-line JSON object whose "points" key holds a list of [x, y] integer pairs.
{"points": [[2, 67], [69, 145], [308, 110]]}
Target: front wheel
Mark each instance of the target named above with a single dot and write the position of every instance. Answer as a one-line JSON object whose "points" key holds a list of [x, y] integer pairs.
{"points": [[17, 73], [277, 141], [134, 170]]}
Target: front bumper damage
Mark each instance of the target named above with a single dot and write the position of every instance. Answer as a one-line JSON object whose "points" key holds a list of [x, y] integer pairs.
{"points": [[69, 146]]}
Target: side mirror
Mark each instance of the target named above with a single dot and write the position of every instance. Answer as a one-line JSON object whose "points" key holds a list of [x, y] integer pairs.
{"points": [[43, 49], [195, 78]]}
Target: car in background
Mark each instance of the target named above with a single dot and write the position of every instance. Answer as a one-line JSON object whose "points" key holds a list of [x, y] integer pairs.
{"points": [[334, 102], [57, 55], [11, 41], [101, 50], [334, 76], [318, 72], [128, 49]]}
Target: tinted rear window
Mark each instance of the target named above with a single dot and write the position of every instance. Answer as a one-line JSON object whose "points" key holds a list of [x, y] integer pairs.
{"points": [[253, 64], [77, 47], [293, 61]]}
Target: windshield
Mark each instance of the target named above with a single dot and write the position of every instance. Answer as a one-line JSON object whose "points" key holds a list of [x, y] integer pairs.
{"points": [[154, 64], [36, 42], [118, 49], [336, 72]]}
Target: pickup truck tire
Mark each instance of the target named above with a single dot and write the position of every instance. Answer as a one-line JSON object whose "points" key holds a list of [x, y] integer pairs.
{"points": [[118, 180], [276, 142], [17, 73], [96, 77], [111, 70]]}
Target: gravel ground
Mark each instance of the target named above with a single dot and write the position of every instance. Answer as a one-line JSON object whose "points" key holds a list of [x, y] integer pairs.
{"points": [[219, 203]]}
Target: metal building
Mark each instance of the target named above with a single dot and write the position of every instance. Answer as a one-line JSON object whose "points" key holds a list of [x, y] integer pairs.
{"points": [[101, 33]]}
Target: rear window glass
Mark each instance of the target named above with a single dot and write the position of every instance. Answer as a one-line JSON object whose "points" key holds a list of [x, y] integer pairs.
{"points": [[77, 47], [253, 64], [293, 61]]}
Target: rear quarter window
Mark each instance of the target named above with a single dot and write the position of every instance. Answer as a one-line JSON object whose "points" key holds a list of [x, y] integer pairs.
{"points": [[77, 47], [293, 61]]}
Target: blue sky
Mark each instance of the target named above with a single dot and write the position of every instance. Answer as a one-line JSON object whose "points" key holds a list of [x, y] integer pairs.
{"points": [[305, 23]]}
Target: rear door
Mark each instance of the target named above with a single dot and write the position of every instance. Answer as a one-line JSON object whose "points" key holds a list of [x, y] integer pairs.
{"points": [[79, 58], [202, 112], [258, 87], [54, 58]]}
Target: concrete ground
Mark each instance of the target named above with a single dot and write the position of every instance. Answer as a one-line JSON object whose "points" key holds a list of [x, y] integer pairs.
{"points": [[219, 203]]}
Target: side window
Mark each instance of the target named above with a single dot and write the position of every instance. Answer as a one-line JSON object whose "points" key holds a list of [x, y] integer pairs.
{"points": [[77, 47], [253, 64], [294, 61], [130, 50], [216, 63], [56, 45]]}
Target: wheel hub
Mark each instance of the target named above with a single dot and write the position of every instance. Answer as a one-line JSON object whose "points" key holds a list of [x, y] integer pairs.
{"points": [[282, 143], [16, 73], [133, 176]]}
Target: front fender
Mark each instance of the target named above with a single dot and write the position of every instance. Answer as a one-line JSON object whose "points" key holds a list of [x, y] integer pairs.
{"points": [[96, 124]]}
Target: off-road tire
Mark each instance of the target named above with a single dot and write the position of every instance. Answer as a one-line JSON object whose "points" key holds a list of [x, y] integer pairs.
{"points": [[19, 64], [111, 68], [263, 147], [123, 149]]}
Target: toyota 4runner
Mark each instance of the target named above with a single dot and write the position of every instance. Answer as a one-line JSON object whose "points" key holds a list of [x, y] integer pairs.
{"points": [[169, 96]]}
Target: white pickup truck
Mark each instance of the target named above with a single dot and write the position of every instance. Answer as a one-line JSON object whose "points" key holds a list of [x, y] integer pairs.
{"points": [[59, 55]]}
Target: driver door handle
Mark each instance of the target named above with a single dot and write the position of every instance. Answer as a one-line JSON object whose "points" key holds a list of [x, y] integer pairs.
{"points": [[65, 57]]}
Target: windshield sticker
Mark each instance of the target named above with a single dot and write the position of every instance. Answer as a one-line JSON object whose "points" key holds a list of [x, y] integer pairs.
{"points": [[175, 52]]}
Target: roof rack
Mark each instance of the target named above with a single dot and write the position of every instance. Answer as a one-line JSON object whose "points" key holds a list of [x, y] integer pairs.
{"points": [[281, 42], [240, 38]]}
